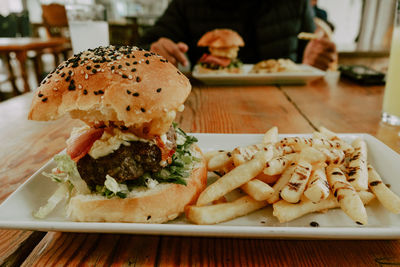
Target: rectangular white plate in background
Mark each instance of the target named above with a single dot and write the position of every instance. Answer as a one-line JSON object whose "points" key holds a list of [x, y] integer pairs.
{"points": [[308, 73], [16, 211]]}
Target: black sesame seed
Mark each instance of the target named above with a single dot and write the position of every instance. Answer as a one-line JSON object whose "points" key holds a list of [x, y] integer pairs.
{"points": [[162, 60], [96, 93], [44, 99], [71, 87], [135, 94], [133, 56], [134, 62], [101, 92], [62, 74], [48, 77], [142, 109], [94, 70], [133, 70], [128, 108], [146, 54], [147, 62], [97, 66], [112, 67], [138, 79], [128, 56], [123, 127], [148, 217], [119, 66], [70, 72], [124, 76], [57, 72], [40, 95], [128, 92], [127, 63], [359, 223], [158, 90], [88, 67], [85, 92], [68, 78], [75, 65], [314, 224]]}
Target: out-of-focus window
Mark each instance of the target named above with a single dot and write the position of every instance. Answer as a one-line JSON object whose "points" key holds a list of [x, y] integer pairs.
{"points": [[10, 6], [360, 25], [345, 15]]}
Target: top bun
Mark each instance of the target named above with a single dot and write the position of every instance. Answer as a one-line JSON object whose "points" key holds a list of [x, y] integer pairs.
{"points": [[221, 38], [125, 87]]}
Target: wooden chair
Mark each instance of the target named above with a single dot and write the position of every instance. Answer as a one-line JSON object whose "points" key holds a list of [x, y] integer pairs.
{"points": [[56, 24]]}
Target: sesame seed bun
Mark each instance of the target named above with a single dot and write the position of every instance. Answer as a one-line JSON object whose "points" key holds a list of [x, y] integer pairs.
{"points": [[125, 86], [221, 38]]}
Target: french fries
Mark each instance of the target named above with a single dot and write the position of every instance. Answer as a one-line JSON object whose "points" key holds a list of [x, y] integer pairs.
{"points": [[219, 160], [385, 196], [278, 165], [258, 189], [318, 186], [347, 197], [224, 211], [286, 212], [357, 169], [235, 178], [297, 175]]}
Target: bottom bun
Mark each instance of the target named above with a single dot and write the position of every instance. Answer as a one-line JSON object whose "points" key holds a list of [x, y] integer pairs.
{"points": [[160, 204], [203, 70]]}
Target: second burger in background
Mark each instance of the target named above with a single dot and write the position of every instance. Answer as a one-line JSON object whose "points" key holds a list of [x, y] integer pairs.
{"points": [[223, 45]]}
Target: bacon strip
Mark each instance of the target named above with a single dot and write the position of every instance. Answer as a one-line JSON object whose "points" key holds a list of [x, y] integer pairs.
{"points": [[210, 59], [81, 144]]}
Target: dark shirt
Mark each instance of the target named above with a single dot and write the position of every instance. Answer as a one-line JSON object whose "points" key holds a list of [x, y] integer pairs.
{"points": [[268, 27]]}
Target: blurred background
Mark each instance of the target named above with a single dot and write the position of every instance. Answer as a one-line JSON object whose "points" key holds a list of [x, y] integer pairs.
{"points": [[362, 30]]}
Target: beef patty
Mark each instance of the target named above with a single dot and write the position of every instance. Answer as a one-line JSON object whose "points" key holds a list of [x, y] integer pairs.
{"points": [[125, 163]]}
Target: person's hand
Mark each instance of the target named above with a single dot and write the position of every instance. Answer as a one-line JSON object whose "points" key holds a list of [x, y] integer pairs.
{"points": [[320, 53], [174, 52]]}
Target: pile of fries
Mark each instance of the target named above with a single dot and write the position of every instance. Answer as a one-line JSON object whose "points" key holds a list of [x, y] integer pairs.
{"points": [[275, 65], [296, 175]]}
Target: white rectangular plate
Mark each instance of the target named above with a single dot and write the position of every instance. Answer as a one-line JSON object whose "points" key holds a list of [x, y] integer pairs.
{"points": [[16, 211], [308, 73]]}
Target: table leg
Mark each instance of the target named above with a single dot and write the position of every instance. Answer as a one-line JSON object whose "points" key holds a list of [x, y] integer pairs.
{"points": [[11, 75], [21, 56], [37, 62]]}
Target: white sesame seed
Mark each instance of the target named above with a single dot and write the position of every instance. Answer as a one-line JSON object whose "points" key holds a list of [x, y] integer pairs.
{"points": [[82, 72], [130, 77], [112, 71], [72, 74], [79, 86], [124, 69], [102, 70], [86, 76], [55, 89], [120, 72]]}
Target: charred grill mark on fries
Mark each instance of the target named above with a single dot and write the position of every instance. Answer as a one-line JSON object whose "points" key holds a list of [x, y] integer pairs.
{"points": [[218, 161], [235, 178], [357, 168], [318, 186], [223, 212], [333, 156], [386, 197], [258, 189], [285, 177], [242, 154], [279, 164], [347, 148], [294, 189], [345, 194]]}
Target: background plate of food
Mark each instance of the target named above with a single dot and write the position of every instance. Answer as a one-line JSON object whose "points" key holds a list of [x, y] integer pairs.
{"points": [[280, 71]]}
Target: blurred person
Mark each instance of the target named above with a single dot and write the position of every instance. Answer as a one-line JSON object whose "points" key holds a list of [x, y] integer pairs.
{"points": [[268, 27]]}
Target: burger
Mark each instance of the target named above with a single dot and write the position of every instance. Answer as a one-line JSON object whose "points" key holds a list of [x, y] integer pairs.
{"points": [[130, 162], [223, 45]]}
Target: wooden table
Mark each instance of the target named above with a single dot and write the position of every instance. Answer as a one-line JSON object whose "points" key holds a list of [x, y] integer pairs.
{"points": [[20, 46], [343, 107]]}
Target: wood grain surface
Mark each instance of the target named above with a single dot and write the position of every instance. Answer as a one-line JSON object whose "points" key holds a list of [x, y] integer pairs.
{"points": [[294, 109]]}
